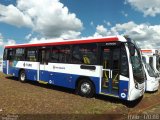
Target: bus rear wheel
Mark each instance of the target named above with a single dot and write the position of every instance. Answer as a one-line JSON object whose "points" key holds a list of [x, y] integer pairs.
{"points": [[86, 88], [22, 76]]}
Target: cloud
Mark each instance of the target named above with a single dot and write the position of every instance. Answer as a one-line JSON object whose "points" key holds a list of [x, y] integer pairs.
{"points": [[1, 39], [27, 37], [3, 43], [147, 36], [50, 18], [107, 23], [12, 15], [8, 42], [43, 40], [100, 31], [147, 7]]}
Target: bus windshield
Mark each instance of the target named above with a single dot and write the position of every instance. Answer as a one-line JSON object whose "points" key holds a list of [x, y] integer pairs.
{"points": [[151, 72], [158, 63], [138, 70]]}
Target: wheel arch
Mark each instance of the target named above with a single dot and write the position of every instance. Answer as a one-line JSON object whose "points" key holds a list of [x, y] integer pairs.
{"points": [[21, 69]]}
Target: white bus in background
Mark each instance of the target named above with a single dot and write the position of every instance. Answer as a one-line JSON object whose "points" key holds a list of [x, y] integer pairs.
{"points": [[152, 79], [152, 57]]}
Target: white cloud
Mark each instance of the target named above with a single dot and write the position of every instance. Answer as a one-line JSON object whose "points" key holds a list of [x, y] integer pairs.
{"points": [[147, 36], [4, 42], [50, 18], [147, 7], [8, 42], [27, 37], [1, 39], [107, 23], [43, 40], [11, 15], [100, 31]]}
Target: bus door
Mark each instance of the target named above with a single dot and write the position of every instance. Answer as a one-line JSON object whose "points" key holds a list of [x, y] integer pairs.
{"points": [[110, 62], [43, 59]]}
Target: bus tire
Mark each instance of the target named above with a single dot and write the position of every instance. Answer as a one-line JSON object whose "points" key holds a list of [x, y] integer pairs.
{"points": [[22, 76], [86, 88]]}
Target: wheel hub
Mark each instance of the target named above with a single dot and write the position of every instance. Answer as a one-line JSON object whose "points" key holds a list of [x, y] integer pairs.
{"points": [[85, 88]]}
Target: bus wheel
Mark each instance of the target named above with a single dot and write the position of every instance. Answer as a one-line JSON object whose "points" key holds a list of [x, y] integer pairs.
{"points": [[86, 88], [22, 76]]}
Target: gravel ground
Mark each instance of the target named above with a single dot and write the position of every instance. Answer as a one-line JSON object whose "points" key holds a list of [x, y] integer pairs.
{"points": [[35, 98]]}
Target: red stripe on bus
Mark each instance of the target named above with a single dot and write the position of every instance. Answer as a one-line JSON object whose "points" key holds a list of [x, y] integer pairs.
{"points": [[112, 39], [146, 50]]}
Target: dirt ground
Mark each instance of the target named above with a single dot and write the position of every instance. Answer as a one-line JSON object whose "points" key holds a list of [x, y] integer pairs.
{"points": [[44, 101]]}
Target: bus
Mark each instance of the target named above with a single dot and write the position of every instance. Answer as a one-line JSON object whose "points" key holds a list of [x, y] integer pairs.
{"points": [[152, 57], [152, 79], [110, 66]]}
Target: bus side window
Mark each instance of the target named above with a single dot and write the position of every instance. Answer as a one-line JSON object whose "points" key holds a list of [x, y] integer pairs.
{"points": [[144, 59], [64, 54], [54, 55], [5, 54], [76, 55], [151, 62], [11, 54], [84, 54], [60, 54], [19, 55], [31, 55]]}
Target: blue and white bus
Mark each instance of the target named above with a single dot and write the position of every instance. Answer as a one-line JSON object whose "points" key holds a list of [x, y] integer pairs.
{"points": [[110, 66]]}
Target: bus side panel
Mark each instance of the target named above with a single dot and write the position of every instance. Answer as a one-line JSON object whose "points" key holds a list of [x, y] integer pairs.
{"points": [[62, 79], [5, 64], [66, 75], [96, 82], [12, 68], [14, 71], [123, 89], [30, 68], [69, 80], [31, 74]]}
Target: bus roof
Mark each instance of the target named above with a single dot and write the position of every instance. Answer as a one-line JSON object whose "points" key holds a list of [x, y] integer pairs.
{"points": [[65, 42]]}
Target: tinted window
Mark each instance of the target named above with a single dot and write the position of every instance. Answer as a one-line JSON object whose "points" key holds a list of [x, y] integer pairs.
{"points": [[11, 54], [151, 62], [19, 55], [144, 59], [84, 54], [5, 54], [31, 55], [60, 54]]}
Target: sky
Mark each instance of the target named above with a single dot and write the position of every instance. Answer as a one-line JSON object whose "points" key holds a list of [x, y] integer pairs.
{"points": [[30, 21]]}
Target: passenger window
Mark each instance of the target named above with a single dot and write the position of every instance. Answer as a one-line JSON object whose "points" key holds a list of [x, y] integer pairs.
{"points": [[61, 54], [32, 55], [84, 54], [11, 54], [20, 54]]}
